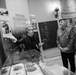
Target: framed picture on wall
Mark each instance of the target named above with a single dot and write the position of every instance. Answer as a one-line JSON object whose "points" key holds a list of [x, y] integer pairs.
{"points": [[5, 27], [75, 20], [34, 25], [70, 20]]}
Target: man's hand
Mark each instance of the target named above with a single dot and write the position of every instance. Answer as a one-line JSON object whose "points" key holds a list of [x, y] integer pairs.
{"points": [[13, 39], [64, 49], [40, 44]]}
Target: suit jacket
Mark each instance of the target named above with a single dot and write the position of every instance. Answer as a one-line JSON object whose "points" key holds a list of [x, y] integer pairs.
{"points": [[67, 40]]}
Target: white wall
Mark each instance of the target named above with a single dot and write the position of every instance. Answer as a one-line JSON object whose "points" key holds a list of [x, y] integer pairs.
{"points": [[68, 8], [43, 9], [17, 7]]}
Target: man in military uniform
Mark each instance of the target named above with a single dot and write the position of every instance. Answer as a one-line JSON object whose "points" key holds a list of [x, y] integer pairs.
{"points": [[65, 40]]}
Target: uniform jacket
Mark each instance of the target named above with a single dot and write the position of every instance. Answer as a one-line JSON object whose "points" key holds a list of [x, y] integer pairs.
{"points": [[66, 39]]}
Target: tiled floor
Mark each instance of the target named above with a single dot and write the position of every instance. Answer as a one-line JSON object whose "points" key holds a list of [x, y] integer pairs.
{"points": [[54, 52], [53, 55]]}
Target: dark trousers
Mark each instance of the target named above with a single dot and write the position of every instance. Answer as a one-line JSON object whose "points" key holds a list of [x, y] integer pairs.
{"points": [[68, 57]]}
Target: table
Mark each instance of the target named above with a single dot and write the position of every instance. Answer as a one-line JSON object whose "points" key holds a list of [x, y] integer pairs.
{"points": [[33, 57]]}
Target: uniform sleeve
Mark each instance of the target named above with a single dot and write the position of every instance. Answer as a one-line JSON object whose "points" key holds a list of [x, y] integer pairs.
{"points": [[70, 44], [58, 37], [21, 40], [72, 37], [57, 40], [36, 40]]}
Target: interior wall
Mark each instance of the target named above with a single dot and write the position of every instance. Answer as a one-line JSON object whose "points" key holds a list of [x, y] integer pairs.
{"points": [[68, 8], [44, 9], [19, 10]]}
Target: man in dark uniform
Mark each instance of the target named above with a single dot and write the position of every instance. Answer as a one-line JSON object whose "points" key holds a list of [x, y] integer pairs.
{"points": [[29, 40], [65, 40]]}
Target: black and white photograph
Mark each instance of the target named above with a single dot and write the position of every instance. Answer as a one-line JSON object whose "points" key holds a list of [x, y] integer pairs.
{"points": [[37, 37]]}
